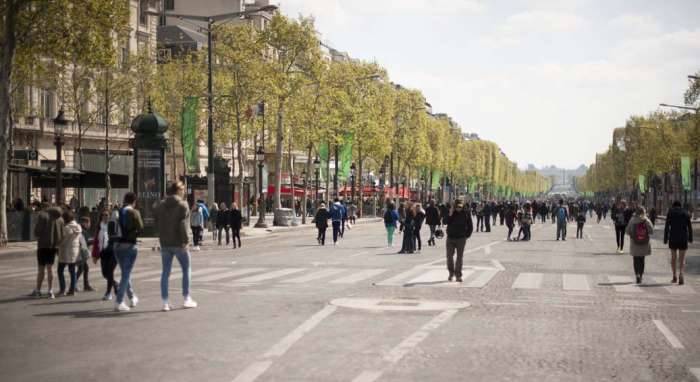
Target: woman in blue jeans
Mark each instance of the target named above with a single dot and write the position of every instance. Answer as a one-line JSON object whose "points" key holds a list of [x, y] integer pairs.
{"points": [[130, 225]]}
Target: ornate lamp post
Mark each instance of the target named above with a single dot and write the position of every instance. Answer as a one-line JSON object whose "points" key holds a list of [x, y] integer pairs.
{"points": [[59, 125], [317, 169], [260, 157]]}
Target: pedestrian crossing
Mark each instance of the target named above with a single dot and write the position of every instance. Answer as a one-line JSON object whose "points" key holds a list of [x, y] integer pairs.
{"points": [[420, 276]]}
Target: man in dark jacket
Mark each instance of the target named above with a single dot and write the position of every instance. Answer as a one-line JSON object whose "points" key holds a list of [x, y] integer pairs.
{"points": [[125, 249], [172, 219], [432, 219], [321, 220], [677, 234], [49, 233], [487, 211], [235, 221], [459, 229]]}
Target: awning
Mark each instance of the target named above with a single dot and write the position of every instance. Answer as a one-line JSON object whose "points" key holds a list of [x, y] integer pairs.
{"points": [[43, 177], [287, 191]]}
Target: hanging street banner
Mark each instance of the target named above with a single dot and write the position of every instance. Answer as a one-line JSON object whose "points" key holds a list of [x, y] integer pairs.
{"points": [[189, 134], [437, 175], [642, 183], [323, 153], [685, 172], [345, 157]]}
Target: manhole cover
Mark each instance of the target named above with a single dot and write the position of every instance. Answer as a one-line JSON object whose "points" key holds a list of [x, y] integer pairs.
{"points": [[398, 304]]}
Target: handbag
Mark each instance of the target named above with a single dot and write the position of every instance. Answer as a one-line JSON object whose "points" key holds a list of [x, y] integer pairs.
{"points": [[439, 233]]}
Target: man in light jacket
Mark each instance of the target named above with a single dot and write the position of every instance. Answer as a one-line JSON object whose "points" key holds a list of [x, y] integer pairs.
{"points": [[172, 217]]}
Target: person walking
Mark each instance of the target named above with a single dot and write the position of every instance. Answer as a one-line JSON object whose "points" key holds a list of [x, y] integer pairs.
{"points": [[407, 245], [678, 232], [486, 211], [562, 219], [417, 225], [526, 222], [653, 215], [391, 218], [235, 222], [336, 213], [222, 222], [49, 234], [83, 267], [171, 217], [68, 252], [102, 251], [510, 220], [640, 230], [432, 219], [479, 217], [619, 217], [343, 218], [352, 213], [459, 229], [197, 225], [130, 226], [213, 218], [580, 221], [321, 220]]}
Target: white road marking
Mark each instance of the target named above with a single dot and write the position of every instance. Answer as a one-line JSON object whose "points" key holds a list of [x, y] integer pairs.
{"points": [[398, 352], [528, 281], [359, 254], [252, 372], [670, 337], [436, 277], [270, 275], [497, 264], [575, 282], [626, 284], [199, 272], [315, 276], [26, 273], [487, 250], [472, 250], [6, 272], [144, 274], [690, 311], [695, 371], [234, 273], [396, 280], [358, 276], [482, 279], [503, 303]]}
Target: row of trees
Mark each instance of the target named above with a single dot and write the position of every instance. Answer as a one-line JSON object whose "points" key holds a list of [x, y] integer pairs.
{"points": [[646, 147]]}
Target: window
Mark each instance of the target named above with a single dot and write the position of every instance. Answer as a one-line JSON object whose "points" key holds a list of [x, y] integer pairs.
{"points": [[143, 8], [169, 5], [47, 104]]}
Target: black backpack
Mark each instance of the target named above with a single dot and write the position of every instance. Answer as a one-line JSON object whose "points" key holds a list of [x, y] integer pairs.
{"points": [[388, 219]]}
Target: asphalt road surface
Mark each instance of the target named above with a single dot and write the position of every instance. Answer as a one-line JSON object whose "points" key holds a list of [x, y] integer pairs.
{"points": [[283, 308]]}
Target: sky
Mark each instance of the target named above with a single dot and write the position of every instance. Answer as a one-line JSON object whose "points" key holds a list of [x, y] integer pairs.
{"points": [[547, 80]]}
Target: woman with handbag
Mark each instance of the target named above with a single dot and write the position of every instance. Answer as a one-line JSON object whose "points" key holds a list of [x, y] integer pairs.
{"points": [[68, 252], [102, 251]]}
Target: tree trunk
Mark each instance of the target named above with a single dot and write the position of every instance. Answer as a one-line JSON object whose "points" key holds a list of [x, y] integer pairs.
{"points": [[328, 177], [361, 189], [279, 139], [108, 182], [239, 148], [6, 58], [291, 176], [306, 185]]}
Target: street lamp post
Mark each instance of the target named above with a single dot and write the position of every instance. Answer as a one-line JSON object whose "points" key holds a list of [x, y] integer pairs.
{"points": [[352, 182], [210, 23], [317, 170], [304, 199], [260, 157], [59, 125]]}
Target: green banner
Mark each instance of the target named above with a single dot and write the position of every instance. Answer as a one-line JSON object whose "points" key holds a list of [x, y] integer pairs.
{"points": [[345, 157], [642, 183], [323, 158], [436, 180], [685, 172], [189, 134]]}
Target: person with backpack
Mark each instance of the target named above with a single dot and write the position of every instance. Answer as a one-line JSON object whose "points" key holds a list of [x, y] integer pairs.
{"points": [[321, 221], [678, 232], [432, 219], [562, 219], [336, 213], [619, 218], [580, 221], [391, 218], [235, 222], [640, 230], [49, 234], [171, 216], [125, 249], [102, 251], [459, 229], [197, 225]]}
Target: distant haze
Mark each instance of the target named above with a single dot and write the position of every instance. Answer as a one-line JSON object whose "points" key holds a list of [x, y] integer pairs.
{"points": [[548, 80]]}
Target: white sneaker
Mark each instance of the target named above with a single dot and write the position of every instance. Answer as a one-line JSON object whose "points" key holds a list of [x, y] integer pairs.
{"points": [[196, 248], [121, 307], [189, 303], [51, 295], [134, 301], [166, 306], [107, 297]]}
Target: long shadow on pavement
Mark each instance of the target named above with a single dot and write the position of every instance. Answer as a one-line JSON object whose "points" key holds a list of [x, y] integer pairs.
{"points": [[97, 313]]}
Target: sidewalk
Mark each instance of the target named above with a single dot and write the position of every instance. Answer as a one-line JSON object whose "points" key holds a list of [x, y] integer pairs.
{"points": [[24, 247]]}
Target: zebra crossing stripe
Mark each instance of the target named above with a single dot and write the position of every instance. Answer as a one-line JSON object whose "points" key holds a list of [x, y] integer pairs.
{"points": [[358, 276], [315, 276], [198, 272], [5, 272], [673, 288], [482, 279], [270, 275], [528, 281], [237, 272], [695, 371], [624, 284], [396, 280], [144, 274], [575, 282], [21, 274]]}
